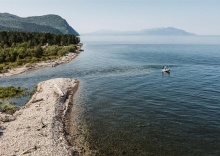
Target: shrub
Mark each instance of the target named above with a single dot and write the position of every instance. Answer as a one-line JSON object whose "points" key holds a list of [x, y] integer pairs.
{"points": [[71, 48], [8, 108], [63, 51], [11, 92]]}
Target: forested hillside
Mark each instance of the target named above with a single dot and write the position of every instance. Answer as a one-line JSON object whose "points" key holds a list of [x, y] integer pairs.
{"points": [[53, 21], [47, 24], [9, 29]]}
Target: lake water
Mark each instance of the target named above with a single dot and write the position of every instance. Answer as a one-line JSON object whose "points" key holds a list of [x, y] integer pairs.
{"points": [[127, 106]]}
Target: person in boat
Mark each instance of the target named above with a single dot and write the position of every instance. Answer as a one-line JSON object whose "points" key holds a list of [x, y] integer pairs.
{"points": [[165, 67]]}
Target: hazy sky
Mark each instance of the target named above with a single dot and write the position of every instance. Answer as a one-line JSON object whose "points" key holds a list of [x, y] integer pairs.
{"points": [[198, 16]]}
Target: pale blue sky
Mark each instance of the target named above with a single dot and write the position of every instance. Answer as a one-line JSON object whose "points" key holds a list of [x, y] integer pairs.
{"points": [[198, 16]]}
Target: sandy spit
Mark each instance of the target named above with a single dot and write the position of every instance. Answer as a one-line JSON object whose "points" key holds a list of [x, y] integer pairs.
{"points": [[41, 127], [29, 67]]}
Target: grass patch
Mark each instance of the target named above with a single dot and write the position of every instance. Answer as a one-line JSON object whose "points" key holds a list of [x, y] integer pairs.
{"points": [[9, 92], [12, 92], [8, 108]]}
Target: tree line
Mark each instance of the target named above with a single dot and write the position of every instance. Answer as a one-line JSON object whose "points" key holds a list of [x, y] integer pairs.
{"points": [[7, 39]]}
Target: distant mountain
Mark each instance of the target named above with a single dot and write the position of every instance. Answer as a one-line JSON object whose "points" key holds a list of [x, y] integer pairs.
{"points": [[169, 31], [47, 23]]}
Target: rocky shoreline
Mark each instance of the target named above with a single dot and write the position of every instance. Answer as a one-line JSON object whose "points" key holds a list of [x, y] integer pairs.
{"points": [[43, 125], [50, 63]]}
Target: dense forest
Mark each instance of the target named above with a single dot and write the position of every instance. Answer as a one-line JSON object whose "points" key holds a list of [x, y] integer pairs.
{"points": [[18, 48], [8, 39]]}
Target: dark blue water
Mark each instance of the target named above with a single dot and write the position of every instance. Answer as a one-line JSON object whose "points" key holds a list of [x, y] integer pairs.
{"points": [[128, 107]]}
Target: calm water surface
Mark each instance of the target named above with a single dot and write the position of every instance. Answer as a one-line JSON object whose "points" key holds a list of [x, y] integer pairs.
{"points": [[128, 107]]}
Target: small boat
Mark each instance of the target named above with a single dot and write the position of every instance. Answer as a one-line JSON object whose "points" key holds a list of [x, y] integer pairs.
{"points": [[165, 69]]}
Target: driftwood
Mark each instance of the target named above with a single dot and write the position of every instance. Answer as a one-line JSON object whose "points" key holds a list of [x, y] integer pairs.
{"points": [[30, 150], [37, 100]]}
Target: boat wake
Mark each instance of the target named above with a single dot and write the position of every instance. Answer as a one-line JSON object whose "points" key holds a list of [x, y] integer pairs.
{"points": [[124, 70]]}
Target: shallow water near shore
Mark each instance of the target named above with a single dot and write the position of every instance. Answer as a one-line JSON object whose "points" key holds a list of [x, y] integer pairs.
{"points": [[129, 107]]}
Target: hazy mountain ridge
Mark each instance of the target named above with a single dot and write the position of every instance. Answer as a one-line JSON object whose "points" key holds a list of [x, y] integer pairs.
{"points": [[47, 23], [169, 31]]}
